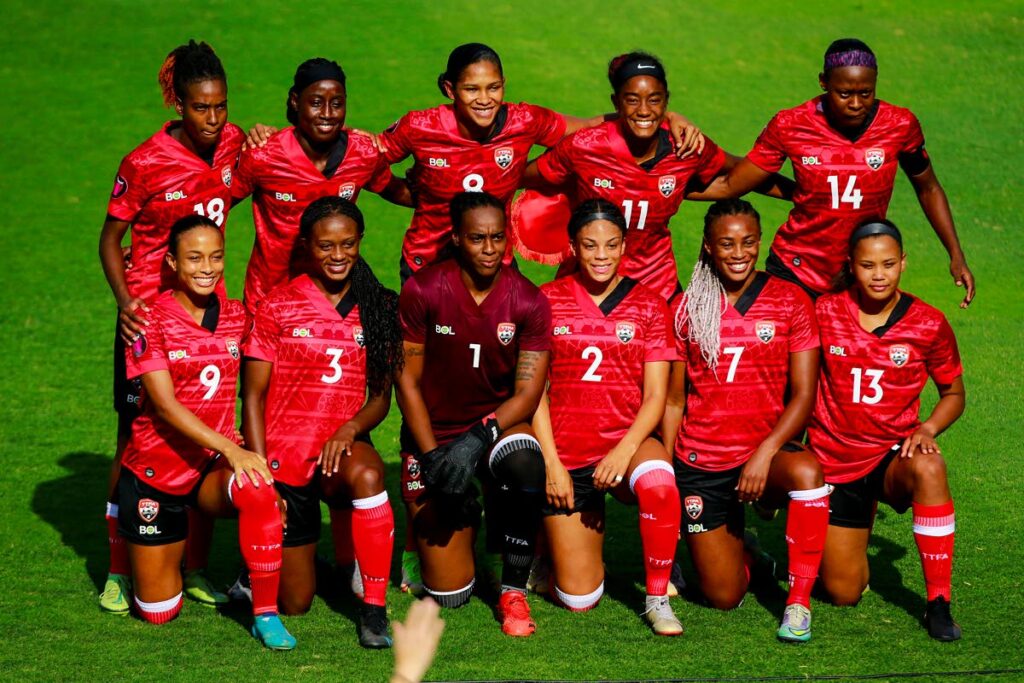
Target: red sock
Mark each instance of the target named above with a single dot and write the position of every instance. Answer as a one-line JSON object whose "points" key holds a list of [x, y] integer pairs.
{"points": [[373, 532], [118, 548], [158, 612], [259, 536], [341, 532], [200, 538], [654, 485], [806, 527], [933, 530]]}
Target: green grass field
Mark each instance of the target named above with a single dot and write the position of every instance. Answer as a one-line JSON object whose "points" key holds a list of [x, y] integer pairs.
{"points": [[79, 91]]}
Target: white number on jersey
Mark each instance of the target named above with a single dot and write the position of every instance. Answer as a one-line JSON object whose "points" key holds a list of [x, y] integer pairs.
{"points": [[627, 210], [874, 377], [591, 374], [851, 195], [214, 210], [476, 354], [335, 366], [735, 352], [474, 182], [210, 378]]}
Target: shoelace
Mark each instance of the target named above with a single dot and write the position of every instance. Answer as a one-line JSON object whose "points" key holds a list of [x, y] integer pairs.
{"points": [[518, 607], [658, 608], [375, 620]]}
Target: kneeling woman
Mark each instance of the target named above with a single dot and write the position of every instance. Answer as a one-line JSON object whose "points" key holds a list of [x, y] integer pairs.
{"points": [[182, 451], [746, 338], [318, 375], [476, 356], [883, 345], [611, 350]]}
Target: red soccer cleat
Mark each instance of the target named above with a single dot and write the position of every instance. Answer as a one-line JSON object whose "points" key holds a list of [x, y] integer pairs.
{"points": [[515, 614]]}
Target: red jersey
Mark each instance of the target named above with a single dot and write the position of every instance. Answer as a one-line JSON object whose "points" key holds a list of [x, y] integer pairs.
{"points": [[869, 393], [471, 350], [283, 182], [732, 409], [447, 163], [597, 364], [599, 164], [160, 182], [318, 381], [840, 183], [204, 368]]}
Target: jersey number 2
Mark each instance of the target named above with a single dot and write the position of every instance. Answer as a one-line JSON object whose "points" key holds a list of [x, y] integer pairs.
{"points": [[591, 374]]}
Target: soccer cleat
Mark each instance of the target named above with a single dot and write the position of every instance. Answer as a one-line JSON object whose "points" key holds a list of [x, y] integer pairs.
{"points": [[796, 624], [268, 629], [660, 616], [115, 597], [412, 582], [490, 568], [515, 614], [241, 590], [354, 577], [676, 582], [939, 621], [540, 576], [199, 588], [373, 627]]}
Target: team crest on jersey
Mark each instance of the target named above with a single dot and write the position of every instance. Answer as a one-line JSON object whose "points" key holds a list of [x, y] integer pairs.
{"points": [[875, 158], [506, 332], [625, 332], [899, 354], [694, 506], [666, 185], [503, 157], [765, 330], [120, 187], [225, 175], [232, 348], [347, 191], [148, 509], [357, 334], [139, 345], [413, 467]]}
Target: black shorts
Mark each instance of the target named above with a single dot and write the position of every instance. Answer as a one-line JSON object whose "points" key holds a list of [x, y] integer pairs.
{"points": [[148, 516], [709, 499], [303, 507], [585, 497], [773, 265], [127, 392], [852, 505]]}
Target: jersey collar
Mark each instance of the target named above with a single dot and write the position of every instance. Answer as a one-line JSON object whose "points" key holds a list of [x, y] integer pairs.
{"points": [[621, 149], [292, 148], [897, 314], [610, 302], [452, 125], [747, 299], [304, 284], [857, 133]]}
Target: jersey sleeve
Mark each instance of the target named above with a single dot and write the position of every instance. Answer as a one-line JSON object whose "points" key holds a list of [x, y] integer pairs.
{"points": [[129, 194], [536, 334], [768, 153], [244, 182], [412, 313], [661, 343], [147, 353], [265, 337], [712, 159], [943, 359], [548, 126], [397, 140], [912, 155], [555, 165], [803, 326]]}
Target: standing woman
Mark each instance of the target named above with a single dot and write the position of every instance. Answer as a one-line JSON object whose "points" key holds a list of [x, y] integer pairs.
{"points": [[183, 451], [318, 374], [314, 157], [185, 168], [740, 395], [883, 345], [844, 146], [478, 143], [473, 320], [629, 162], [611, 348]]}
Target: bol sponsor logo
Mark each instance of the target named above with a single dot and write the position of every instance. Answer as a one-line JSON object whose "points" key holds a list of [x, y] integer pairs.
{"points": [[604, 183], [302, 332], [149, 530], [836, 350], [810, 161], [347, 191], [562, 330], [438, 162], [285, 197], [177, 354], [175, 196], [447, 330]]}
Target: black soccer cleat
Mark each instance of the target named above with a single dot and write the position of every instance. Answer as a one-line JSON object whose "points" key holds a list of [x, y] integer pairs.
{"points": [[939, 621], [373, 627]]}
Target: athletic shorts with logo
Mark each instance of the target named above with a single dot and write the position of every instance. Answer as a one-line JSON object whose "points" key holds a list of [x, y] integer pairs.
{"points": [[585, 496], [709, 499], [148, 516]]}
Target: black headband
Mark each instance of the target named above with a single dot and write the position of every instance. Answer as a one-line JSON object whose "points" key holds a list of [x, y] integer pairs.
{"points": [[640, 66], [875, 229], [307, 75]]}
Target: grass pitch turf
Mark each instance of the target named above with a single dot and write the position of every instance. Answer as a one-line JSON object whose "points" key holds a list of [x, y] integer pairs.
{"points": [[79, 91]]}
